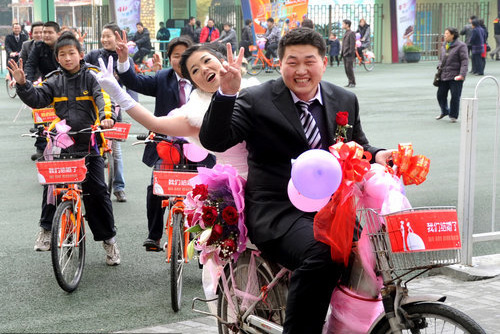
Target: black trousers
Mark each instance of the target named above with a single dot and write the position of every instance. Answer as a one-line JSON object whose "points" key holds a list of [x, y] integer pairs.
{"points": [[313, 279], [98, 207], [455, 87], [349, 69], [139, 55], [271, 50]]}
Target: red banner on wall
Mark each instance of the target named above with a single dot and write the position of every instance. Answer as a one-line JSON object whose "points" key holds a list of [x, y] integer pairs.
{"points": [[423, 230]]}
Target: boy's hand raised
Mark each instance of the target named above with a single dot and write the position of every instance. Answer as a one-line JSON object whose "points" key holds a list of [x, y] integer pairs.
{"points": [[230, 73], [16, 71]]}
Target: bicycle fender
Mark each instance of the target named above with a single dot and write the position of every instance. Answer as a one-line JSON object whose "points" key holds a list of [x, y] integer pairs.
{"points": [[409, 300]]}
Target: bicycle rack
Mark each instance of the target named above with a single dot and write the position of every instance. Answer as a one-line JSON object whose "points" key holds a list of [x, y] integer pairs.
{"points": [[467, 172]]}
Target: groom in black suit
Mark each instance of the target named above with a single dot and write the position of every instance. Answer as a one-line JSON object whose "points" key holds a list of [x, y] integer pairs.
{"points": [[268, 118]]}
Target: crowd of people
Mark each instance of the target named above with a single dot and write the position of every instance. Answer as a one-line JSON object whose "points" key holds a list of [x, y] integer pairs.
{"points": [[203, 98]]}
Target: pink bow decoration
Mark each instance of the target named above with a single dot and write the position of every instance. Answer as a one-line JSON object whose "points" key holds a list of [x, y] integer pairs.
{"points": [[62, 139]]}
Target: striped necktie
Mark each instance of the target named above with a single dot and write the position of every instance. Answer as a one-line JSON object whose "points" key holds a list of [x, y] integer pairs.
{"points": [[182, 93], [311, 129]]}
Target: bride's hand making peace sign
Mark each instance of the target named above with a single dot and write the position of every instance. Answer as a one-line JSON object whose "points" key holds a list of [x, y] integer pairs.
{"points": [[230, 73]]}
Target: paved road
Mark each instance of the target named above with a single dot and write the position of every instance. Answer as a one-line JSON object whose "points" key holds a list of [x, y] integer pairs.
{"points": [[397, 104]]}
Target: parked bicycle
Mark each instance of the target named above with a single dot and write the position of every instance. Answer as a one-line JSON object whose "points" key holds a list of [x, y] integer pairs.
{"points": [[170, 180], [259, 61], [252, 293], [368, 60], [64, 172]]}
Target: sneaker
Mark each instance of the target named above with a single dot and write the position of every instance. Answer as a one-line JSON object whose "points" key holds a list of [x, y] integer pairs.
{"points": [[42, 243], [152, 245], [453, 120], [441, 116], [120, 196], [112, 254]]}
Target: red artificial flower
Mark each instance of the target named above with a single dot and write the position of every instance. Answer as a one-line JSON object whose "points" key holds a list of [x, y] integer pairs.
{"points": [[230, 215], [209, 215], [189, 218], [216, 234], [202, 190], [342, 118], [230, 245]]}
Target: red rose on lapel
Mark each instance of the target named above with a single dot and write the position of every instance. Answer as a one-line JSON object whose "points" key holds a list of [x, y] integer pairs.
{"points": [[342, 118]]}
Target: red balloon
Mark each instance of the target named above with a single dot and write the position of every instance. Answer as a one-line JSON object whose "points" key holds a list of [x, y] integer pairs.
{"points": [[168, 153]]}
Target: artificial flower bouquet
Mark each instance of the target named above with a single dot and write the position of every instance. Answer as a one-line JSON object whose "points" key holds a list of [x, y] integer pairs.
{"points": [[215, 214]]}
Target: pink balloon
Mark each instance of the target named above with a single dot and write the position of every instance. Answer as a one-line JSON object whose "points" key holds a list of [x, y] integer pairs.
{"points": [[316, 174], [358, 43], [194, 152], [261, 43], [304, 203]]}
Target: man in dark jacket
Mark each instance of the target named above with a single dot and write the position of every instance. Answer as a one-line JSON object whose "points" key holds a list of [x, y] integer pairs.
{"points": [[163, 36], [165, 86], [349, 52], [189, 29], [142, 41], [14, 42], [247, 37], [467, 32], [42, 56], [496, 28], [36, 35]]}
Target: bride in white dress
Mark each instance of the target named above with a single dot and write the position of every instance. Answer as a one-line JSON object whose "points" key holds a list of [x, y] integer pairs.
{"points": [[201, 65]]}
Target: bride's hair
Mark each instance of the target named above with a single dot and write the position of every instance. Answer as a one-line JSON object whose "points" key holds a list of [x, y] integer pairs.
{"points": [[215, 49]]}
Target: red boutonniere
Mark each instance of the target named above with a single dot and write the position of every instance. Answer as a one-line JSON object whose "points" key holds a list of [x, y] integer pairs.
{"points": [[342, 120]]}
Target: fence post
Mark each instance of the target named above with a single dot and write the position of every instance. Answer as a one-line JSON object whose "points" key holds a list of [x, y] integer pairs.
{"points": [[466, 175]]}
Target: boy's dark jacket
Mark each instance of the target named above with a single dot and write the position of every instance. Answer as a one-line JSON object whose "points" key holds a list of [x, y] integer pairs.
{"points": [[77, 98]]}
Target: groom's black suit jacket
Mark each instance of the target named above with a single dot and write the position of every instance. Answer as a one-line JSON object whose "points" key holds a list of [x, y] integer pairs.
{"points": [[267, 119]]}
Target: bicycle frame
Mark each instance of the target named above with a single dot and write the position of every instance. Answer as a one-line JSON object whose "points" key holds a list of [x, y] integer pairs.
{"points": [[177, 207], [261, 55], [71, 192]]}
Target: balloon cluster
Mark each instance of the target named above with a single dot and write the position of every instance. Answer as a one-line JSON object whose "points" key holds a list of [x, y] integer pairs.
{"points": [[358, 40], [316, 175]]}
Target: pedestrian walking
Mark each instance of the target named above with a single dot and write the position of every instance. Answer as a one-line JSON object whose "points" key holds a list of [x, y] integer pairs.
{"points": [[189, 29], [334, 44], [496, 29], [467, 32], [14, 42], [163, 36], [349, 52], [247, 37], [478, 49], [453, 65], [197, 31]]}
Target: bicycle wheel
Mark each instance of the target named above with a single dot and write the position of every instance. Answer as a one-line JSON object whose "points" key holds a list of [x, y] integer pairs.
{"points": [[272, 309], [109, 172], [255, 65], [369, 64], [177, 260], [434, 318], [11, 90], [67, 250]]}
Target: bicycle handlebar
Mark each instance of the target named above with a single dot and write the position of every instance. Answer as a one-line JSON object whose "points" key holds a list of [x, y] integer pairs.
{"points": [[41, 132], [156, 138]]}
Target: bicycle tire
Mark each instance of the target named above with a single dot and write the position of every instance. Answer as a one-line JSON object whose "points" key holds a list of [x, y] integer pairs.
{"points": [[109, 173], [11, 91], [68, 258], [370, 65], [272, 309], [255, 65], [177, 260], [440, 317]]}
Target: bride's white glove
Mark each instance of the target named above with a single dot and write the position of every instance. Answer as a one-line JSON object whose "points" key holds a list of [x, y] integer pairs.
{"points": [[107, 81]]}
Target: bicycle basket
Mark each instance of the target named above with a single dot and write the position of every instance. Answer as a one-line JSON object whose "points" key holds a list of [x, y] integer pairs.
{"points": [[121, 131], [172, 182], [63, 168], [43, 115], [416, 238]]}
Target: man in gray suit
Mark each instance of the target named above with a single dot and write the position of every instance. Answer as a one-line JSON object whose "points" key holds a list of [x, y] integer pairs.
{"points": [[349, 52], [267, 118]]}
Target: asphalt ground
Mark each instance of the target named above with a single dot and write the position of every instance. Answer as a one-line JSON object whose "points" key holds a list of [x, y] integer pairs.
{"points": [[398, 104]]}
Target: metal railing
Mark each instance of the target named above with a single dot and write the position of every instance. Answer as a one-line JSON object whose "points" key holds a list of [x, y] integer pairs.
{"points": [[467, 172]]}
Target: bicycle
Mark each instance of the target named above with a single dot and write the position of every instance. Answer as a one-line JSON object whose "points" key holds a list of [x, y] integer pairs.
{"points": [[120, 133], [259, 61], [64, 172], [396, 255], [10, 86], [172, 182], [368, 60]]}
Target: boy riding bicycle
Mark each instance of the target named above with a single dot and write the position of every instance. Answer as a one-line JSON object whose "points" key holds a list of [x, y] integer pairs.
{"points": [[78, 99]]}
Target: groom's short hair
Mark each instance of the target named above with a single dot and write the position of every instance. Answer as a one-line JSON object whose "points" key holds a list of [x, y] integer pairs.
{"points": [[302, 36]]}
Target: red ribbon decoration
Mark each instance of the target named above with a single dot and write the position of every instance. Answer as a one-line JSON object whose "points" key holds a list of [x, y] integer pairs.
{"points": [[334, 224], [413, 169]]}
